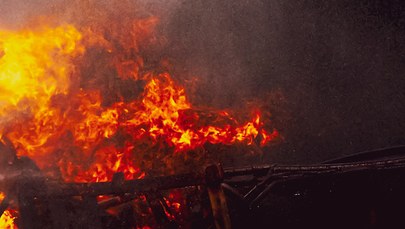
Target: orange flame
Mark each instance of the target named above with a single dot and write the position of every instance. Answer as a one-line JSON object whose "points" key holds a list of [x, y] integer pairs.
{"points": [[8, 217], [49, 117], [35, 65], [42, 113], [7, 220]]}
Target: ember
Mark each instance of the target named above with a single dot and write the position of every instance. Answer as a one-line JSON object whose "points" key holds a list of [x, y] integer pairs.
{"points": [[76, 131]]}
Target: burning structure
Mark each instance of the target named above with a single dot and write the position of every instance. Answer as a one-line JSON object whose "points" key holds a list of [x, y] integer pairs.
{"points": [[97, 132], [84, 104]]}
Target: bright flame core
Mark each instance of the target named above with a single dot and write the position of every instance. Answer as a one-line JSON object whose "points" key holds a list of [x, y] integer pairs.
{"points": [[36, 65], [49, 121], [59, 124]]}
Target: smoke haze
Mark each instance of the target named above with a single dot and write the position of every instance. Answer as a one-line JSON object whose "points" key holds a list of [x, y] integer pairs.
{"points": [[329, 72]]}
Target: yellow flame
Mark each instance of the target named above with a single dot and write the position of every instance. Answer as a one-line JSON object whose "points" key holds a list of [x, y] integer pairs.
{"points": [[7, 220], [36, 65]]}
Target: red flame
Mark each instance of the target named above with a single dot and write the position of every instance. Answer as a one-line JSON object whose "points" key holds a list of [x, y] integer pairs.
{"points": [[49, 117]]}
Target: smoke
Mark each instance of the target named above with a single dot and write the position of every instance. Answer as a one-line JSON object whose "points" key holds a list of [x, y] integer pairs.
{"points": [[17, 14], [330, 73], [337, 64]]}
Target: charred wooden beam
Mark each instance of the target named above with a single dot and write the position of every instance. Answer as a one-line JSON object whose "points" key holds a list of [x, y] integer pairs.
{"points": [[92, 216], [161, 211], [58, 188], [313, 169], [31, 186], [214, 178]]}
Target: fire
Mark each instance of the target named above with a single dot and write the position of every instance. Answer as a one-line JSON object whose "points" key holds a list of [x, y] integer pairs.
{"points": [[162, 116], [35, 65], [7, 220], [162, 110], [49, 116], [8, 217]]}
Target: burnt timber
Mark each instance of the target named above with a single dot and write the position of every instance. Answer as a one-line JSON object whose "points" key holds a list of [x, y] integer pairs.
{"points": [[366, 193]]}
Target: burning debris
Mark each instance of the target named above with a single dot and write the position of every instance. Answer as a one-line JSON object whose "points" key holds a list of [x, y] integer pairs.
{"points": [[53, 123], [84, 104]]}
